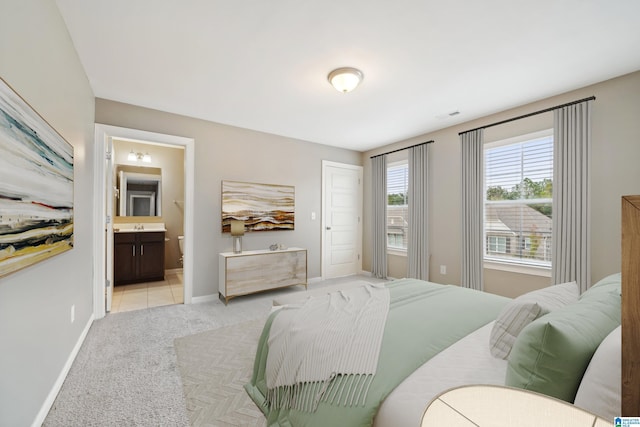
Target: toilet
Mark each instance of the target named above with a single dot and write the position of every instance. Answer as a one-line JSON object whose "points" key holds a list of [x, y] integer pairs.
{"points": [[181, 245]]}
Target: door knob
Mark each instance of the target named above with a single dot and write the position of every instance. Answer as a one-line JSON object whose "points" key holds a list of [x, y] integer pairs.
{"points": [[328, 228]]}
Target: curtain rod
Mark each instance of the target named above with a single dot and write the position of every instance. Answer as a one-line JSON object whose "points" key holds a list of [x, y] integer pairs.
{"points": [[405, 148], [546, 110]]}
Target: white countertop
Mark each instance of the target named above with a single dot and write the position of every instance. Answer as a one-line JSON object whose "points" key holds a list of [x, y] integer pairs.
{"points": [[139, 227]]}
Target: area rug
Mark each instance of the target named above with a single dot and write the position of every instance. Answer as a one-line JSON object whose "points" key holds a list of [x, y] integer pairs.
{"points": [[214, 367]]}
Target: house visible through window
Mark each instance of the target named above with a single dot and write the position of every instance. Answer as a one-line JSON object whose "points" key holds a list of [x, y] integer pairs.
{"points": [[496, 245], [397, 205], [518, 199]]}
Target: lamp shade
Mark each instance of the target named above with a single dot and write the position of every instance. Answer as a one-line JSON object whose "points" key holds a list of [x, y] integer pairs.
{"points": [[237, 228], [345, 79]]}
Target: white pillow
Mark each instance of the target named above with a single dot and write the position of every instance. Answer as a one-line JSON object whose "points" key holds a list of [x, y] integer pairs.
{"points": [[524, 310], [601, 389]]}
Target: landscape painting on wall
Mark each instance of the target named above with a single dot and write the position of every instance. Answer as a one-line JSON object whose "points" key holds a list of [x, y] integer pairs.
{"points": [[36, 186], [261, 206]]}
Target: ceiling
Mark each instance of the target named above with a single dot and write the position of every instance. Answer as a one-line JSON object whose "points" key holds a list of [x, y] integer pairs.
{"points": [[263, 65]]}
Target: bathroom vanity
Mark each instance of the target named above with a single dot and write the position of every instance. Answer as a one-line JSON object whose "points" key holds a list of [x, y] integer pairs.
{"points": [[138, 256]]}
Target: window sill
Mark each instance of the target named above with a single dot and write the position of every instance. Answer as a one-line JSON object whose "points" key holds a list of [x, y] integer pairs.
{"points": [[396, 252], [533, 270]]}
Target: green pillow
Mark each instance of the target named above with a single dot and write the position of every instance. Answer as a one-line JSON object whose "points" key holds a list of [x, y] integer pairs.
{"points": [[552, 353], [611, 283]]}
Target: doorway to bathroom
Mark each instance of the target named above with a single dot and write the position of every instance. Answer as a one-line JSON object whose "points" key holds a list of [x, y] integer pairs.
{"points": [[156, 169], [148, 196]]}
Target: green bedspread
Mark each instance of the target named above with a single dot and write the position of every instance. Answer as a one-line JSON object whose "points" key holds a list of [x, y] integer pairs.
{"points": [[424, 319]]}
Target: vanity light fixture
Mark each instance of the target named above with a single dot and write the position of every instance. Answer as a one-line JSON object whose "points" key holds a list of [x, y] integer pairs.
{"points": [[345, 79], [132, 157]]}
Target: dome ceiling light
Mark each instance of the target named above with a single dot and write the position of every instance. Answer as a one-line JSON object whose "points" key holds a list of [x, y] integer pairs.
{"points": [[345, 79]]}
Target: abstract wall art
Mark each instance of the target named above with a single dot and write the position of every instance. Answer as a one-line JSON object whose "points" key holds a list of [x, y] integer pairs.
{"points": [[36, 186], [261, 206]]}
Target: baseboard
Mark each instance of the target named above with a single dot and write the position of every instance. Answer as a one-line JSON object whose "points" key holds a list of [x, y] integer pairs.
{"points": [[314, 280], [48, 403], [204, 298]]}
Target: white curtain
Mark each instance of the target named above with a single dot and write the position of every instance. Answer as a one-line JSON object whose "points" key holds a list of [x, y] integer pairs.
{"points": [[472, 208], [418, 243], [571, 218], [379, 190]]}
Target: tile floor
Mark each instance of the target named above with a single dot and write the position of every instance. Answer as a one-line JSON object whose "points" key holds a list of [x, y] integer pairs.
{"points": [[151, 294]]}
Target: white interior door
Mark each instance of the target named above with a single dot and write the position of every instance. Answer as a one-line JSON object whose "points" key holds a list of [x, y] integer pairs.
{"points": [[108, 215], [341, 219]]}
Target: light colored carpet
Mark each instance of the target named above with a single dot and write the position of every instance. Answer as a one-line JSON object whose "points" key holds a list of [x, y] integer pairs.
{"points": [[215, 365], [126, 373]]}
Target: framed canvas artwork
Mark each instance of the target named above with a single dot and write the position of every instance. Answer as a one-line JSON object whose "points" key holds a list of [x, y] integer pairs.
{"points": [[260, 206], [36, 186]]}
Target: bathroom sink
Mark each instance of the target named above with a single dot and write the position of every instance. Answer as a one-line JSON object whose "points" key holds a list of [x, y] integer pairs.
{"points": [[138, 227]]}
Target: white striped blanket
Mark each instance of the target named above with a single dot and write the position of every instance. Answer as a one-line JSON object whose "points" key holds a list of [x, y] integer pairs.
{"points": [[314, 346]]}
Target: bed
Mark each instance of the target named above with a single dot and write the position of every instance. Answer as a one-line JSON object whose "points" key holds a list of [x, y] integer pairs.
{"points": [[436, 337]]}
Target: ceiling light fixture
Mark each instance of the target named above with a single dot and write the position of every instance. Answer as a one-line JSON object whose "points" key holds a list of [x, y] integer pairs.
{"points": [[345, 79], [132, 157]]}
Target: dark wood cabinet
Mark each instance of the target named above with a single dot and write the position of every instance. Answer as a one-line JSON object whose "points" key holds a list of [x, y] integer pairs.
{"points": [[138, 257]]}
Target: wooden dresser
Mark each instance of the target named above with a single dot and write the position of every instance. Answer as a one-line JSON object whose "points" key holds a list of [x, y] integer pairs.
{"points": [[256, 271]]}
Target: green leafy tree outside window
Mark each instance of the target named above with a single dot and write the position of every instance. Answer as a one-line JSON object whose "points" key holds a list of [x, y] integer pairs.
{"points": [[528, 189], [397, 199]]}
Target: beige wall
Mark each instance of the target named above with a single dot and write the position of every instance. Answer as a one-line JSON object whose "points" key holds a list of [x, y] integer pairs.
{"points": [[615, 154], [39, 61], [37, 337], [170, 161], [230, 153]]}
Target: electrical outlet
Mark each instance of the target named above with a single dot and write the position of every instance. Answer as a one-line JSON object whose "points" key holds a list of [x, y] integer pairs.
{"points": [[73, 313], [443, 269]]}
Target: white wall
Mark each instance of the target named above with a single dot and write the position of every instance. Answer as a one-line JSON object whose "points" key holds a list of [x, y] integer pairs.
{"points": [[230, 153], [37, 337], [615, 172]]}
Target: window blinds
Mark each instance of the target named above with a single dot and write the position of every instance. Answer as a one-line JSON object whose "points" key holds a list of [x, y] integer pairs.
{"points": [[518, 200], [397, 205]]}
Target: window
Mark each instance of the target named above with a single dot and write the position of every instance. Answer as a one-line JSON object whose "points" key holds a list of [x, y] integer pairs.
{"points": [[397, 205], [496, 245], [518, 199]]}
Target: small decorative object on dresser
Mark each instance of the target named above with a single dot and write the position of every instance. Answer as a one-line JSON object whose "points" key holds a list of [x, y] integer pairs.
{"points": [[255, 271], [237, 231]]}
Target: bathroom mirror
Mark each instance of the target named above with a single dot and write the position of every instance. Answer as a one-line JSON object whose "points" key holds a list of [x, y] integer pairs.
{"points": [[139, 193]]}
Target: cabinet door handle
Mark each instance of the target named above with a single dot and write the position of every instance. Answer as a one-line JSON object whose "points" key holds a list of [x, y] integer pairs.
{"points": [[141, 250], [134, 250]]}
